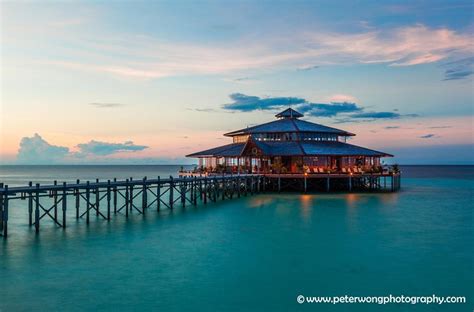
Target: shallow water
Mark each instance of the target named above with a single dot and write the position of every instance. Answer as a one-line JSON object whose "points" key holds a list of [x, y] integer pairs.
{"points": [[253, 254]]}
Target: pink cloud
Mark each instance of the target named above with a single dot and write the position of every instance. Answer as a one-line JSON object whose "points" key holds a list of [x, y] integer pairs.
{"points": [[337, 98], [405, 46]]}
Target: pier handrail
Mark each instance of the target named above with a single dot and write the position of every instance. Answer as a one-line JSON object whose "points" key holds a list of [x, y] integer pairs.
{"points": [[57, 187]]}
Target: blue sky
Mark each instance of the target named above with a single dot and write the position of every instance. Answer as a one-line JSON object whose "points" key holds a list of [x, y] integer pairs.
{"points": [[149, 82]]}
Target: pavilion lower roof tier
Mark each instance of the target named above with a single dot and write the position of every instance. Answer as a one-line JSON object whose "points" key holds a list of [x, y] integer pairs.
{"points": [[292, 148], [289, 125]]}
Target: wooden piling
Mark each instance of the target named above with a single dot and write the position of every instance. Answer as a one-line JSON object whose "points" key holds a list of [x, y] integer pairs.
{"points": [[224, 187], [214, 194], [205, 191], [194, 191], [131, 194], [171, 192], [30, 204], [158, 194], [78, 197], [55, 196], [191, 190], [127, 195], [64, 204], [108, 200], [200, 190], [239, 184], [182, 190], [5, 212], [115, 195], [97, 197], [144, 196], [37, 212], [2, 196], [88, 196]]}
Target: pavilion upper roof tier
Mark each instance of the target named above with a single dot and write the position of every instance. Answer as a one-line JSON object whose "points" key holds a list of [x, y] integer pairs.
{"points": [[288, 121], [289, 113]]}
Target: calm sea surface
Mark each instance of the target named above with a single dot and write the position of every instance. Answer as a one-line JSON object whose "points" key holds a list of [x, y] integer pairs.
{"points": [[251, 254]]}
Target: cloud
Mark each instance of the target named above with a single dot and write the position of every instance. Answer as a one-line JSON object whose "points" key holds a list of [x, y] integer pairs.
{"points": [[405, 46], [328, 110], [371, 116], [428, 136], [308, 68], [350, 112], [376, 115], [36, 150], [104, 148], [392, 127], [106, 105], [202, 110], [338, 98], [440, 127], [420, 59], [247, 103], [460, 69], [245, 79]]}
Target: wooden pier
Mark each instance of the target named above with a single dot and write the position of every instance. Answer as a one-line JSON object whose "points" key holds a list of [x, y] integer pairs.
{"points": [[107, 198], [104, 199]]}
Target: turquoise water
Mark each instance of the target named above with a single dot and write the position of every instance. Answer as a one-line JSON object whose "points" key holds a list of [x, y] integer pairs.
{"points": [[250, 254]]}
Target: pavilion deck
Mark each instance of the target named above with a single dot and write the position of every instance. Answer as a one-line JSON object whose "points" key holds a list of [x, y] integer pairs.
{"points": [[325, 182]]}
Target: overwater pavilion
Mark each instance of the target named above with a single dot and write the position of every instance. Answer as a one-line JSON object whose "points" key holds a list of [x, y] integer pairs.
{"points": [[289, 145]]}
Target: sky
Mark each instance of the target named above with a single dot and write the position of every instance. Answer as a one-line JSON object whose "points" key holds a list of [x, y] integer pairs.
{"points": [[142, 82]]}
